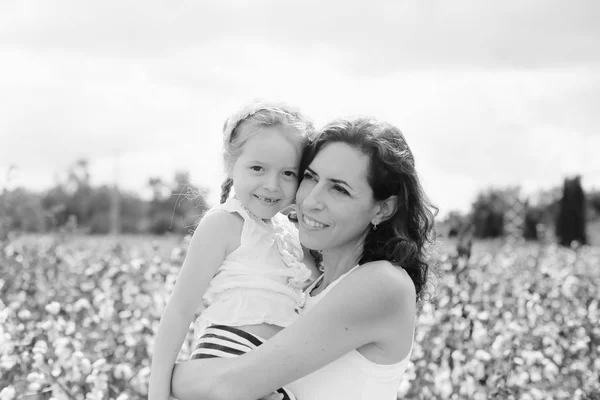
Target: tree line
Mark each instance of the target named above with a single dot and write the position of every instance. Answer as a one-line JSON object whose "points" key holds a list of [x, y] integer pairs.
{"points": [[560, 213], [174, 207]]}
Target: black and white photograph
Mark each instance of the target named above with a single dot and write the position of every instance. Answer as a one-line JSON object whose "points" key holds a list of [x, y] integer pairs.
{"points": [[276, 200]]}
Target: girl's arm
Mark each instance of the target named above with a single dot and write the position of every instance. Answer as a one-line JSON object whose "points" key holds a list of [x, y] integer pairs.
{"points": [[214, 238], [374, 304]]}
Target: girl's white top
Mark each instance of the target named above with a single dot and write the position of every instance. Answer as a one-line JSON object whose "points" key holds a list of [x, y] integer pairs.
{"points": [[350, 377], [262, 280]]}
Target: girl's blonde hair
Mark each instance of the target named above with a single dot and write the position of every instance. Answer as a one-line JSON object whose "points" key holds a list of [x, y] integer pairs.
{"points": [[249, 120]]}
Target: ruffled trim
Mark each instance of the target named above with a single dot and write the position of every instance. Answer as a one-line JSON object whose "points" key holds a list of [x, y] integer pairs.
{"points": [[287, 243], [292, 254]]}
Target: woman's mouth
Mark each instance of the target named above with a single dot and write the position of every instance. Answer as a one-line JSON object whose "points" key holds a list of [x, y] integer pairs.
{"points": [[312, 222]]}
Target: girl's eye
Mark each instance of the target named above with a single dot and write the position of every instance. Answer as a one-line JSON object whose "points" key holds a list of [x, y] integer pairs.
{"points": [[289, 174], [340, 189], [256, 168]]}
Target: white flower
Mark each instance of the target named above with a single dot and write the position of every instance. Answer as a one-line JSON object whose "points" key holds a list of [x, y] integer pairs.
{"points": [[123, 371], [7, 346], [86, 366], [569, 286], [480, 335], [483, 355], [45, 325], [34, 387], [8, 361], [4, 314], [38, 360], [53, 308], [24, 314], [99, 364], [56, 370], [95, 394], [75, 374], [40, 347], [35, 377], [550, 371], [81, 304], [8, 393], [70, 328], [87, 286]]}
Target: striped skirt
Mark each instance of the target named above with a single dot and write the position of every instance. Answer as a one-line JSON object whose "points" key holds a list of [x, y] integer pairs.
{"points": [[221, 341]]}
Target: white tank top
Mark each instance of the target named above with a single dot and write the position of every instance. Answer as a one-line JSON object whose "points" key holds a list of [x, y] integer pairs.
{"points": [[262, 280], [352, 376]]}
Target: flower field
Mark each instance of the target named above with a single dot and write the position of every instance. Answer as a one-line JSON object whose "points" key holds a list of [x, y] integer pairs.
{"points": [[519, 321]]}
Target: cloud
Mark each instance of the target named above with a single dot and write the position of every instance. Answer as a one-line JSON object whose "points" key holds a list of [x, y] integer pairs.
{"points": [[374, 37], [486, 93]]}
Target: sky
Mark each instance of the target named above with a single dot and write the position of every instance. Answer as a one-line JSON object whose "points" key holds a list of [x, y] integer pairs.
{"points": [[487, 94]]}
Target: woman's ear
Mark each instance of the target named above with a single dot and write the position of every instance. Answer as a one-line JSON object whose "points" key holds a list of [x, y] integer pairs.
{"points": [[387, 208]]}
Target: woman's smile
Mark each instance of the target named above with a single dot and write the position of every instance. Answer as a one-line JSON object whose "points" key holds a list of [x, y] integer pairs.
{"points": [[312, 223]]}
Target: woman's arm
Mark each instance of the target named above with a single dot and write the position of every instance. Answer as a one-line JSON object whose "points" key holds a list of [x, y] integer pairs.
{"points": [[374, 304], [209, 246]]}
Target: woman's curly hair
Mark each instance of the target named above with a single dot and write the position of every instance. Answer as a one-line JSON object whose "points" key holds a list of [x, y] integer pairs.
{"points": [[402, 239]]}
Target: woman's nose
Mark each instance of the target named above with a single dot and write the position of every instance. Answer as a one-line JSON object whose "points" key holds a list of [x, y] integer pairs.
{"points": [[313, 199]]}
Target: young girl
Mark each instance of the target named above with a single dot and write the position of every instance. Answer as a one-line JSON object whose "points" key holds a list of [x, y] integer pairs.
{"points": [[244, 259]]}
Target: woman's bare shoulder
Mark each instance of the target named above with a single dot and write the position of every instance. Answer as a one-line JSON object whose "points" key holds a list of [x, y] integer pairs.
{"points": [[390, 281]]}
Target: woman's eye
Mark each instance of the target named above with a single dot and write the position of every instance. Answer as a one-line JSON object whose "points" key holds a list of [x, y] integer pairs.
{"points": [[340, 189], [307, 175], [256, 168]]}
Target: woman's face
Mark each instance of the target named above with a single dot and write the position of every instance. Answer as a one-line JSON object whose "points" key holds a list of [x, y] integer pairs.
{"points": [[335, 200]]}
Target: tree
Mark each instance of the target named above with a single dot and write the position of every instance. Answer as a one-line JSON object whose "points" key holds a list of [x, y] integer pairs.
{"points": [[176, 206], [570, 222], [488, 214], [533, 217]]}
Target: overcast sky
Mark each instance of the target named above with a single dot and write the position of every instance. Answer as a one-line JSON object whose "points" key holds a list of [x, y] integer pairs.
{"points": [[488, 93]]}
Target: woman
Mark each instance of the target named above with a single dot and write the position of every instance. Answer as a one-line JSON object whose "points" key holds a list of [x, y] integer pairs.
{"points": [[361, 205]]}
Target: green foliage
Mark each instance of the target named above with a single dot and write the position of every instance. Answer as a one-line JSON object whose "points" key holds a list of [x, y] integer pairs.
{"points": [[21, 211], [489, 209], [530, 225], [174, 208], [571, 219]]}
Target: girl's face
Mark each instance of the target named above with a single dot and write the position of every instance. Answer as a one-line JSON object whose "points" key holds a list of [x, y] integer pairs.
{"points": [[335, 200], [265, 175]]}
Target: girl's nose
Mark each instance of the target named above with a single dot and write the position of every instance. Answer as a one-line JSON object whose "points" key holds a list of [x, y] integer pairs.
{"points": [[272, 182]]}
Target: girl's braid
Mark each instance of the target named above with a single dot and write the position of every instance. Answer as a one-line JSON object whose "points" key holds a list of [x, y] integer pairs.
{"points": [[225, 189]]}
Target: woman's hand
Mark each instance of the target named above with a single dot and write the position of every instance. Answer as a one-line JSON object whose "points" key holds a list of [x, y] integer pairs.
{"points": [[373, 304]]}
